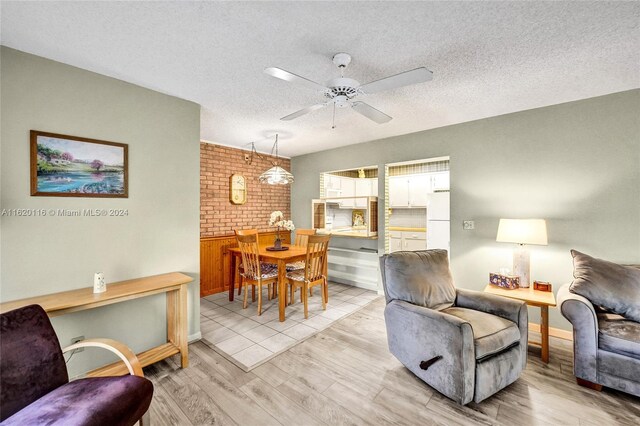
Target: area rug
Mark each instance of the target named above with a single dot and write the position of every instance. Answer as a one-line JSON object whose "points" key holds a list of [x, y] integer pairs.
{"points": [[249, 340]]}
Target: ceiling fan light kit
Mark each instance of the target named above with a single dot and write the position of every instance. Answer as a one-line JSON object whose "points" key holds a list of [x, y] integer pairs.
{"points": [[341, 92], [276, 175]]}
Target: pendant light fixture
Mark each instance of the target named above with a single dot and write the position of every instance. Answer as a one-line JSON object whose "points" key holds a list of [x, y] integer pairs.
{"points": [[276, 175]]}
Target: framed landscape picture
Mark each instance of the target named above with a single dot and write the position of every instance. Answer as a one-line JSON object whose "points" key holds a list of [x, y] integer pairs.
{"points": [[71, 166]]}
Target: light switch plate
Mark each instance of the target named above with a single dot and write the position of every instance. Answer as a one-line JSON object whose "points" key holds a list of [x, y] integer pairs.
{"points": [[468, 224]]}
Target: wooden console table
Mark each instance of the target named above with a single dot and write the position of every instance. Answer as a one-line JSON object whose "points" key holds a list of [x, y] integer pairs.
{"points": [[174, 284]]}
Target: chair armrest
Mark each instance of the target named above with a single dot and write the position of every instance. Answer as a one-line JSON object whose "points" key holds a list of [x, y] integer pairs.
{"points": [[582, 316], [120, 349], [510, 309], [500, 306], [416, 334]]}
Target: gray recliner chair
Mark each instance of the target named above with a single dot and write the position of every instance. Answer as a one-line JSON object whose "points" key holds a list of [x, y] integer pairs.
{"points": [[467, 345]]}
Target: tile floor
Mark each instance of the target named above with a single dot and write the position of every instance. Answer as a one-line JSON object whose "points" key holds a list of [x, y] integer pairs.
{"points": [[249, 340]]}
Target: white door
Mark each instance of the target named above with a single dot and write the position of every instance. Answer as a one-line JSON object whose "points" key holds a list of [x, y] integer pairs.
{"points": [[398, 191], [438, 234], [419, 188]]}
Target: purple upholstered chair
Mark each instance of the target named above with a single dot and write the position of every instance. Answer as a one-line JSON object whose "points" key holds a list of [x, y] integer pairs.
{"points": [[35, 387]]}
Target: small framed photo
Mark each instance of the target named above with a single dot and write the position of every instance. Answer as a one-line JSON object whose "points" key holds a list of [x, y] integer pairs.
{"points": [[72, 166]]}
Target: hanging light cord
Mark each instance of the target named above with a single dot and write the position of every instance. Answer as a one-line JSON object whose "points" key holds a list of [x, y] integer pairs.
{"points": [[253, 151], [275, 145]]}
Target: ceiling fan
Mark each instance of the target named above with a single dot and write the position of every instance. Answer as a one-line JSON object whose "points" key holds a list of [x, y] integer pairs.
{"points": [[343, 92]]}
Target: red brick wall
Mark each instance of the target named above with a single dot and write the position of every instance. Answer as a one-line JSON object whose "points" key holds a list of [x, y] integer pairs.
{"points": [[217, 215]]}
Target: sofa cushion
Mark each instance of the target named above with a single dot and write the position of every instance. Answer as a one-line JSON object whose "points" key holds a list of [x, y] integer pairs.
{"points": [[614, 287], [422, 278], [618, 334], [95, 401], [491, 334]]}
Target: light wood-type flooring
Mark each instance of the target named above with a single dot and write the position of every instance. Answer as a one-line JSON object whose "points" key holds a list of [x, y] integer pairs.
{"points": [[345, 375]]}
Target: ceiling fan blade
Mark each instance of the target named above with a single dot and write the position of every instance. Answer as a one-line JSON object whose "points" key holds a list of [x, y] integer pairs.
{"points": [[418, 75], [370, 112], [293, 78], [303, 111]]}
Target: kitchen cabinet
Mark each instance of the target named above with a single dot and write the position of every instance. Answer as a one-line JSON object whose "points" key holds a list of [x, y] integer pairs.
{"points": [[412, 241], [440, 181], [374, 187], [398, 191], [348, 188], [419, 188], [318, 214], [332, 185], [407, 241], [414, 245], [395, 244], [409, 191], [362, 187], [412, 191], [332, 182]]}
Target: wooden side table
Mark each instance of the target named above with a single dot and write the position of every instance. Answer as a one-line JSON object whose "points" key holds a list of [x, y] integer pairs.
{"points": [[541, 299]]}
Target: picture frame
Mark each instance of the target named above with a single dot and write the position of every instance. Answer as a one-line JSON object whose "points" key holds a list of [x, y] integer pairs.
{"points": [[73, 166]]}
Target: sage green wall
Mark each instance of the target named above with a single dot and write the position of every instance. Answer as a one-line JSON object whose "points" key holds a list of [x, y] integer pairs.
{"points": [[41, 255], [575, 164]]}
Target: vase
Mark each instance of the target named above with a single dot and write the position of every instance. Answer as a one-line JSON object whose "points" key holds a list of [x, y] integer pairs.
{"points": [[278, 242]]}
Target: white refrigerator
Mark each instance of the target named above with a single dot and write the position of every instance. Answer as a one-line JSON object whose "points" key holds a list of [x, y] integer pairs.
{"points": [[438, 233]]}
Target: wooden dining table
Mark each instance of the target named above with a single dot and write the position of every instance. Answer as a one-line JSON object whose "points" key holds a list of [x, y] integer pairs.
{"points": [[280, 258]]}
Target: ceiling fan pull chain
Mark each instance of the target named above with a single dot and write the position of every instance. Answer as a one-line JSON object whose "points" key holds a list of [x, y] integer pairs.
{"points": [[333, 124]]}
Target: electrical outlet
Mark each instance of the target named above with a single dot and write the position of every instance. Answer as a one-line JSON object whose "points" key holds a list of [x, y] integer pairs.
{"points": [[76, 340], [468, 224]]}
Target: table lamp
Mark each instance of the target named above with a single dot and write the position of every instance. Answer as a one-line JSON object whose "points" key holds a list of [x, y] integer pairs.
{"points": [[522, 231]]}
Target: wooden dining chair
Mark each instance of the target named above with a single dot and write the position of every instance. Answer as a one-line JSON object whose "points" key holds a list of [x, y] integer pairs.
{"points": [[302, 236], [313, 273], [255, 273], [239, 267]]}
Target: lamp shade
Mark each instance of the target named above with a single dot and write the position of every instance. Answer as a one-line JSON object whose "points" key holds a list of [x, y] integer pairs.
{"points": [[522, 231], [276, 176]]}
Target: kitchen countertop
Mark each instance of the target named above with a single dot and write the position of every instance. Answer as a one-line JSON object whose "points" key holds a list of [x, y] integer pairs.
{"points": [[347, 233], [400, 228]]}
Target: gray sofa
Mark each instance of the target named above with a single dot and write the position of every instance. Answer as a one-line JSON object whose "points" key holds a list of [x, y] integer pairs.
{"points": [[606, 346], [467, 345], [603, 305]]}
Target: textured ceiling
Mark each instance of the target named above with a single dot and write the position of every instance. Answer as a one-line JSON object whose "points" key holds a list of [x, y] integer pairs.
{"points": [[488, 58]]}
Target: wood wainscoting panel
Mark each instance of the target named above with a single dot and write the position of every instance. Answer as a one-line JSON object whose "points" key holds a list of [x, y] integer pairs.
{"points": [[215, 261]]}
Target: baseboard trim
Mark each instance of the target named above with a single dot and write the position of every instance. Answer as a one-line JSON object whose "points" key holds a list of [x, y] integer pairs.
{"points": [[553, 332], [194, 337]]}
